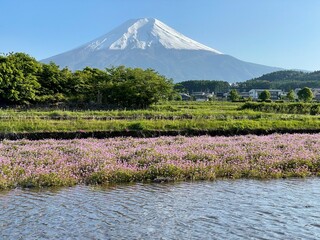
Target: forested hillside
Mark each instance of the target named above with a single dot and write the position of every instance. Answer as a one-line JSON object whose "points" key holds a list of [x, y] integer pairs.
{"points": [[284, 80]]}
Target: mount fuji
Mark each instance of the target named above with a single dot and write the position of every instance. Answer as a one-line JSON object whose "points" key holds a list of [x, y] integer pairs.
{"points": [[149, 43]]}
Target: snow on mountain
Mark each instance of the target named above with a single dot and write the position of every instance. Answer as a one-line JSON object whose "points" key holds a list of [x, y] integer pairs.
{"points": [[149, 43], [145, 33]]}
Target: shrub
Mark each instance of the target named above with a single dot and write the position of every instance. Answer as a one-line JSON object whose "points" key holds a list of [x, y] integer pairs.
{"points": [[291, 108]]}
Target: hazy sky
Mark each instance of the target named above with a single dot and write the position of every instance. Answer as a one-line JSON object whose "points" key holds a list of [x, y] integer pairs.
{"points": [[282, 33]]}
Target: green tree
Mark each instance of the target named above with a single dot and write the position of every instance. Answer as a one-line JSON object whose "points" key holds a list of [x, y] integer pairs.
{"points": [[55, 83], [205, 86], [264, 95], [90, 85], [305, 94], [18, 78], [138, 88], [180, 88], [234, 95], [291, 95]]}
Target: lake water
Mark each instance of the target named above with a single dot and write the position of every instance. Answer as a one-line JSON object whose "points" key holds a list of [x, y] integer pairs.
{"points": [[236, 209]]}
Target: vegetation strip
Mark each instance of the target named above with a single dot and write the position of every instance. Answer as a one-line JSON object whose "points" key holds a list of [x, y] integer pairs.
{"points": [[148, 134], [173, 116], [290, 108], [51, 162]]}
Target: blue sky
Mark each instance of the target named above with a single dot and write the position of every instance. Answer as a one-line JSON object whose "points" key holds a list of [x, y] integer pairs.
{"points": [[282, 33]]}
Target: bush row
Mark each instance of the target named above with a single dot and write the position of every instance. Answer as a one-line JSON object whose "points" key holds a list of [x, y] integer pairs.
{"points": [[291, 108]]}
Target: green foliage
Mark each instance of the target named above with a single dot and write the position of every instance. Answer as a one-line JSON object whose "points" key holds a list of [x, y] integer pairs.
{"points": [[18, 78], [23, 80], [265, 95], [91, 85], [179, 117], [282, 75], [285, 80], [55, 83], [234, 95], [180, 88], [176, 97], [291, 96], [203, 86], [305, 94], [136, 126], [290, 108], [138, 88], [46, 180]]}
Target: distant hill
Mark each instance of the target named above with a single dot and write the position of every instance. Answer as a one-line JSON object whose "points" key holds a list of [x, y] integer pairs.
{"points": [[290, 75], [284, 80]]}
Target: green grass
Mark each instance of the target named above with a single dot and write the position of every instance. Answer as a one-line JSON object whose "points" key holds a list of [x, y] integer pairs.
{"points": [[285, 107], [165, 116]]}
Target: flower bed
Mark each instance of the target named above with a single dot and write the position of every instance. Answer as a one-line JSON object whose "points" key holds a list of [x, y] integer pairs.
{"points": [[44, 163]]}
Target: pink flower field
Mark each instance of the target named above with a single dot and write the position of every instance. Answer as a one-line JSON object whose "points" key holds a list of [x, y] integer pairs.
{"points": [[45, 163]]}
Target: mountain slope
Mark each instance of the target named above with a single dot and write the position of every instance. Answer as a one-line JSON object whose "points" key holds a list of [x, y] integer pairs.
{"points": [[149, 43]]}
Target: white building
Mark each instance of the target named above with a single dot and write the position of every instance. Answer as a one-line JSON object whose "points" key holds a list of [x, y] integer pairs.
{"points": [[275, 93]]}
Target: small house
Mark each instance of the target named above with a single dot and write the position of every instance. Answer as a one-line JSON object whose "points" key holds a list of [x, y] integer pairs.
{"points": [[275, 93]]}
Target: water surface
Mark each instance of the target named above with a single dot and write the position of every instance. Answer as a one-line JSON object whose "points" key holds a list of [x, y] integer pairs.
{"points": [[240, 209]]}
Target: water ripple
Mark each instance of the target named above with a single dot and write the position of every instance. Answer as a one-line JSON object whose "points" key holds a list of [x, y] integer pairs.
{"points": [[242, 209]]}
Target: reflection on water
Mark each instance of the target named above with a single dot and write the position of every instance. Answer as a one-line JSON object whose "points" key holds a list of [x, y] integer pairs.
{"points": [[241, 209]]}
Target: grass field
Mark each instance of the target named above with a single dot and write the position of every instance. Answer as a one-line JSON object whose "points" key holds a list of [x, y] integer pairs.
{"points": [[177, 116]]}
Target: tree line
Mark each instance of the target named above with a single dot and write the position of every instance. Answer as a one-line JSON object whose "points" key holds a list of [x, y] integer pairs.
{"points": [[203, 86], [25, 81], [284, 80], [305, 94]]}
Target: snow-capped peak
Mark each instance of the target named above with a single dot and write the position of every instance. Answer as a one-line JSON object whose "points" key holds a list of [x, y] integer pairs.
{"points": [[146, 33]]}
